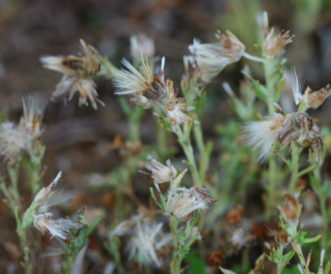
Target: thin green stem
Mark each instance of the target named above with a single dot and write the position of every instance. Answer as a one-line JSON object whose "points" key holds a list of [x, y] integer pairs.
{"points": [[317, 185], [306, 170], [134, 116], [287, 162], [13, 178], [297, 248], [271, 188], [185, 142], [272, 172], [270, 97], [204, 151], [161, 138], [176, 260], [295, 167], [280, 266]]}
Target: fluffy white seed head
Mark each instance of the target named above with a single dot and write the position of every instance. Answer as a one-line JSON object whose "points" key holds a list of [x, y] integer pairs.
{"points": [[182, 202], [58, 228], [133, 81], [56, 63], [262, 135], [296, 86], [85, 87], [33, 110], [274, 43], [160, 173], [212, 58], [141, 45], [77, 74], [12, 141], [147, 239]]}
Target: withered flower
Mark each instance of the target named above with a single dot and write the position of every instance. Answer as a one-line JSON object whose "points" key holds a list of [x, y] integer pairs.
{"points": [[44, 220], [291, 209], [160, 173], [211, 58], [262, 135], [77, 74], [146, 239], [274, 43], [293, 127], [148, 88], [314, 99], [310, 98], [182, 202], [14, 139]]}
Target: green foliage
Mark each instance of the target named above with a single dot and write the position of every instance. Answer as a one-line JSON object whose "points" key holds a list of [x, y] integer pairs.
{"points": [[197, 265]]}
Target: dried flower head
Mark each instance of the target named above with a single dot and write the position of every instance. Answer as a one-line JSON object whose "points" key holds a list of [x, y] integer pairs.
{"points": [[148, 89], [290, 212], [310, 98], [33, 110], [88, 64], [235, 216], [239, 238], [211, 58], [44, 220], [84, 86], [291, 209], [281, 237], [215, 257], [182, 202], [46, 192], [135, 81], [301, 128], [274, 43], [14, 139], [141, 45], [176, 108], [314, 99], [262, 135], [159, 172], [294, 127], [146, 239], [58, 228], [77, 72]]}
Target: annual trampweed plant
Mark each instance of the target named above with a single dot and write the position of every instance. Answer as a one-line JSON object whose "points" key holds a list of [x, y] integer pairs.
{"points": [[192, 189]]}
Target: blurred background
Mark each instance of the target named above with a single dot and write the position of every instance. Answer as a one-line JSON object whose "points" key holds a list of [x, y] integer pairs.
{"points": [[77, 139]]}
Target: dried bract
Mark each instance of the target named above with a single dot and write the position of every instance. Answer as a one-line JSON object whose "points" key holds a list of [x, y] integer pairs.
{"points": [[314, 99], [310, 98], [291, 209]]}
